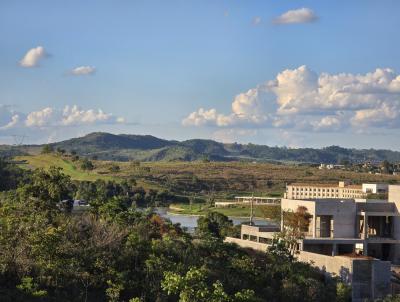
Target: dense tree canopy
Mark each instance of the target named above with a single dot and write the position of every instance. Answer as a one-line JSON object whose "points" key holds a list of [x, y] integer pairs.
{"points": [[115, 252], [214, 224]]}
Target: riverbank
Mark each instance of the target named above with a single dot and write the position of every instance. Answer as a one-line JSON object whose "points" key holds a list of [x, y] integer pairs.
{"points": [[201, 209]]}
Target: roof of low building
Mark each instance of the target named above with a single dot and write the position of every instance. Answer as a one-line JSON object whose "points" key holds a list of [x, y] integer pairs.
{"points": [[302, 184]]}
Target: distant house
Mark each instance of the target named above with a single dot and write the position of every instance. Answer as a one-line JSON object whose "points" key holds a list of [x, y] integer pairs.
{"points": [[330, 166], [79, 202], [73, 205]]}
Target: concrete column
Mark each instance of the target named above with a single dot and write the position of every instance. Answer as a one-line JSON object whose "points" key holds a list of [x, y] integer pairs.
{"points": [[334, 249], [365, 248], [314, 226], [365, 225], [357, 228], [365, 244]]}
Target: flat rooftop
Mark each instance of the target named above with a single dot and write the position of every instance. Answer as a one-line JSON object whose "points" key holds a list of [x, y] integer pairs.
{"points": [[327, 185]]}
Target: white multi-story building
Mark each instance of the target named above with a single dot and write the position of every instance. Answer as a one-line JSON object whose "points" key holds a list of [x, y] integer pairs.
{"points": [[340, 190]]}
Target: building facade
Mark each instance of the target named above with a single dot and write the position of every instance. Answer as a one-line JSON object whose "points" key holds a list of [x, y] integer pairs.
{"points": [[339, 227], [340, 190]]}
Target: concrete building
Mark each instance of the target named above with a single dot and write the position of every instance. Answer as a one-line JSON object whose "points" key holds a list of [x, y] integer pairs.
{"points": [[340, 190], [368, 277], [355, 239], [347, 226]]}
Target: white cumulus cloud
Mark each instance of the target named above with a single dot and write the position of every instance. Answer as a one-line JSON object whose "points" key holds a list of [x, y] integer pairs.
{"points": [[384, 115], [301, 15], [9, 118], [33, 57], [69, 116], [83, 70], [73, 116], [328, 123], [40, 118], [14, 121], [201, 117], [304, 100], [247, 109]]}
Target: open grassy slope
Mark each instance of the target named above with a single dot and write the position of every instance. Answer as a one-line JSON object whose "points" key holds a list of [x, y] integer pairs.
{"points": [[70, 168], [73, 168]]}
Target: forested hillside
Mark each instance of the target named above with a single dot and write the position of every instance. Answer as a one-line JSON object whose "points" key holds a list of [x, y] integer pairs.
{"points": [[125, 147]]}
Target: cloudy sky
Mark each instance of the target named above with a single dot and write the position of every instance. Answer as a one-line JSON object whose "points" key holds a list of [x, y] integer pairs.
{"points": [[294, 73]]}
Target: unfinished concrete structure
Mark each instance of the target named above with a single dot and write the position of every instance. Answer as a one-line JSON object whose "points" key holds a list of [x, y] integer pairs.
{"points": [[355, 239], [348, 226]]}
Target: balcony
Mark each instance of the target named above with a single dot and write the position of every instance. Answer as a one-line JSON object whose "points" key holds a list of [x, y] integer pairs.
{"points": [[378, 228], [324, 226]]}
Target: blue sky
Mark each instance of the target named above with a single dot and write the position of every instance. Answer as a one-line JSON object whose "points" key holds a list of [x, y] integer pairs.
{"points": [[295, 73]]}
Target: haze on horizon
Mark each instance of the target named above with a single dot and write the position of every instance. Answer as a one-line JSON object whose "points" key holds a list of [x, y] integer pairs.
{"points": [[294, 73]]}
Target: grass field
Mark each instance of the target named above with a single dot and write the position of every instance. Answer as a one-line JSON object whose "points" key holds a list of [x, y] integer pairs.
{"points": [[203, 209], [71, 168], [45, 161]]}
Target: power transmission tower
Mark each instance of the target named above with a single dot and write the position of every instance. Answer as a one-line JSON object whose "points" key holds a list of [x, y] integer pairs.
{"points": [[19, 139]]}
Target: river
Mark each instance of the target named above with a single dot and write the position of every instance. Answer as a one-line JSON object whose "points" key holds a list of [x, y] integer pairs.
{"points": [[190, 222]]}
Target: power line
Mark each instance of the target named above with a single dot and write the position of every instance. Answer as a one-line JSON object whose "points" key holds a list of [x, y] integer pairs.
{"points": [[19, 139]]}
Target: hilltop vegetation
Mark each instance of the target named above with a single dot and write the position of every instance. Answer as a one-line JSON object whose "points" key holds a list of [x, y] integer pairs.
{"points": [[124, 147]]}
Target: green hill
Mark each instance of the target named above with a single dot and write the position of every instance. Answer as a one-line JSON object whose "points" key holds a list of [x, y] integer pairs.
{"points": [[123, 147]]}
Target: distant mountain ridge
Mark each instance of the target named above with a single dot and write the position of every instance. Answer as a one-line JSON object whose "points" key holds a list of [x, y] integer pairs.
{"points": [[126, 147], [149, 148]]}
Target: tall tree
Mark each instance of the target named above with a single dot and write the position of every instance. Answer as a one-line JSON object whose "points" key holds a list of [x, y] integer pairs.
{"points": [[215, 224]]}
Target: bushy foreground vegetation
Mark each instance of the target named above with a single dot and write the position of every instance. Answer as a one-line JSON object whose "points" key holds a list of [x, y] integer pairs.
{"points": [[116, 253]]}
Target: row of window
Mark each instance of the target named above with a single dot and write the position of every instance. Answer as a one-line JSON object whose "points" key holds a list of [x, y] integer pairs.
{"points": [[317, 195], [301, 194], [351, 191], [324, 190], [315, 189]]}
